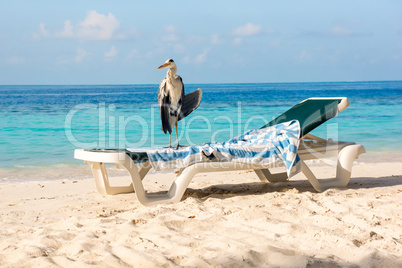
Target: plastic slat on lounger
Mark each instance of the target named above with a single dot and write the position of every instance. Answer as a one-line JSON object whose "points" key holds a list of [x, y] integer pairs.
{"points": [[311, 113], [137, 157]]}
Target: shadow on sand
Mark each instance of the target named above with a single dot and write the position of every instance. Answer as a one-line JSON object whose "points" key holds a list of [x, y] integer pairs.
{"points": [[299, 186]]}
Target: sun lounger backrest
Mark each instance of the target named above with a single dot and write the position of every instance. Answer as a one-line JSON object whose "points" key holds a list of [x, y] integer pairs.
{"points": [[310, 113]]}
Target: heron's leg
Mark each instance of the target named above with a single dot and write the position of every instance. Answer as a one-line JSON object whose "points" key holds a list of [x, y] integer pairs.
{"points": [[177, 138], [170, 141]]}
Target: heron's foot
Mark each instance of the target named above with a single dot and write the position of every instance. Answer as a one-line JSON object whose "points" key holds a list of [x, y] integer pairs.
{"points": [[179, 146], [168, 147]]}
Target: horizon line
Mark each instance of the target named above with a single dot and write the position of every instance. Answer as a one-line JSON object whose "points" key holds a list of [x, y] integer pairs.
{"points": [[211, 83]]}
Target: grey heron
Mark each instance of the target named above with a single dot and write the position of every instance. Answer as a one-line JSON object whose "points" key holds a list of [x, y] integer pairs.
{"points": [[170, 99], [173, 104]]}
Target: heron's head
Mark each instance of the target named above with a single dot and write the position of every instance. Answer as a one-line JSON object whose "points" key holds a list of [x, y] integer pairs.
{"points": [[168, 64]]}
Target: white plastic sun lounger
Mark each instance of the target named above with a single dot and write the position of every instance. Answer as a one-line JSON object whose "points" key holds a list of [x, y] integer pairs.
{"points": [[310, 113]]}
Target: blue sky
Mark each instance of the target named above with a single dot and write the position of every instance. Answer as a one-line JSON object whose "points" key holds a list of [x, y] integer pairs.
{"points": [[123, 42]]}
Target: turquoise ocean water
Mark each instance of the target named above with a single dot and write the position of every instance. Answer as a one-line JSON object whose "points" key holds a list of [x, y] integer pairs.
{"points": [[40, 126]]}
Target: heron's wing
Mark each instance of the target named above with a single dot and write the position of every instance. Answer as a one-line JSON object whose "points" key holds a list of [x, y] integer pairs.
{"points": [[182, 89], [164, 104], [181, 98], [190, 103]]}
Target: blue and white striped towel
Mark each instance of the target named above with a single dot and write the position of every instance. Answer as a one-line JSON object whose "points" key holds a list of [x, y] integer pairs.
{"points": [[259, 146]]}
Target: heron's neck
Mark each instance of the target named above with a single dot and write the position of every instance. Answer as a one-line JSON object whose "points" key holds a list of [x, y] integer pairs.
{"points": [[171, 72]]}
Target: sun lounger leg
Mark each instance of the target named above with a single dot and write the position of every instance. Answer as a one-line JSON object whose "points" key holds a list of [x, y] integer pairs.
{"points": [[102, 181], [346, 157], [99, 175], [175, 192], [266, 176]]}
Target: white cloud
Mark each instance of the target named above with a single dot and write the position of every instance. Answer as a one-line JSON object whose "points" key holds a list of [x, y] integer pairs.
{"points": [[97, 26], [170, 28], [269, 31], [201, 57], [109, 55], [237, 40], [94, 27], [42, 30], [186, 59], [335, 31], [133, 53], [81, 55], [303, 56], [171, 34], [198, 59], [335, 56], [17, 60], [41, 33], [247, 30], [340, 31], [275, 43], [68, 31], [170, 38], [216, 39], [376, 60]]}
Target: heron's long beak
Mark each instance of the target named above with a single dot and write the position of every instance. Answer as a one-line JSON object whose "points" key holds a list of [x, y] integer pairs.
{"points": [[163, 65]]}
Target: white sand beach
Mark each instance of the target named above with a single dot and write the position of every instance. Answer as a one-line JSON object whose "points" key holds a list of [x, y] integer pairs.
{"points": [[225, 220]]}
